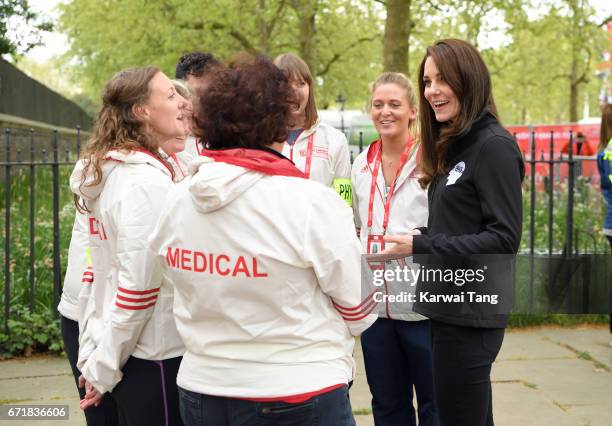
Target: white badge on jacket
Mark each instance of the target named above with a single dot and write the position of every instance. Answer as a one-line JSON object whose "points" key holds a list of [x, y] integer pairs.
{"points": [[455, 173]]}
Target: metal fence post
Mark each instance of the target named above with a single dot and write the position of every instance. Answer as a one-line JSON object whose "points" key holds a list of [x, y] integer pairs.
{"points": [[32, 212], [569, 225], [56, 233], [360, 142], [532, 220], [551, 189], [7, 231]]}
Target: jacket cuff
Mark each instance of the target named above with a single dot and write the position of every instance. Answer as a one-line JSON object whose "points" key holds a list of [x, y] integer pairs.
{"points": [[422, 230], [420, 244]]}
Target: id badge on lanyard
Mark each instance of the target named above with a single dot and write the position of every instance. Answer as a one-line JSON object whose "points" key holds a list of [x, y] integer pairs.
{"points": [[375, 242]]}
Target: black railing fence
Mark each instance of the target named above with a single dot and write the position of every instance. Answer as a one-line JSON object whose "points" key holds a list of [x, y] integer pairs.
{"points": [[34, 167], [38, 215]]}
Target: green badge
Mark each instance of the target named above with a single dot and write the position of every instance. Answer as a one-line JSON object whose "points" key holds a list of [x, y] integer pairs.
{"points": [[343, 188], [87, 257]]}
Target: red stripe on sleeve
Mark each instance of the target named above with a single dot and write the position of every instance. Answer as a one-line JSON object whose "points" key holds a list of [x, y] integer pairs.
{"points": [[365, 314], [141, 300], [134, 308], [137, 292], [358, 307]]}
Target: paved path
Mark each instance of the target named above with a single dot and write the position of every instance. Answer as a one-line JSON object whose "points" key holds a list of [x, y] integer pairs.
{"points": [[542, 377]]}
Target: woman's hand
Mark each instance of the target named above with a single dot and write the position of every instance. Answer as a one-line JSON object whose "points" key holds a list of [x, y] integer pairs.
{"points": [[92, 396], [403, 244]]}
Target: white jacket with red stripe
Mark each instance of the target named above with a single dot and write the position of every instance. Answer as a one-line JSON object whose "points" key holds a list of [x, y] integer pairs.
{"points": [[78, 271], [408, 210], [330, 161], [179, 162], [266, 271], [129, 308]]}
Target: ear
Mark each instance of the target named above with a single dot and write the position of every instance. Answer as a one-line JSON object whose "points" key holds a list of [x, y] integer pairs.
{"points": [[413, 113], [140, 111]]}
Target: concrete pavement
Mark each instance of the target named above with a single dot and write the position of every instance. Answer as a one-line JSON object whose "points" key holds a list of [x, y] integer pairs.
{"points": [[546, 376]]}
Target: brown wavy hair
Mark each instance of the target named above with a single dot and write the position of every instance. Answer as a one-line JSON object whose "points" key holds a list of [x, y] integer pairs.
{"points": [[463, 69], [245, 105], [605, 130], [117, 127], [294, 67]]}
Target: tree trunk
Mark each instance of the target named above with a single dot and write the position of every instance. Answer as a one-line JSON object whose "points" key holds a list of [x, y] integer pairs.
{"points": [[306, 12], [261, 26], [396, 41], [573, 106]]}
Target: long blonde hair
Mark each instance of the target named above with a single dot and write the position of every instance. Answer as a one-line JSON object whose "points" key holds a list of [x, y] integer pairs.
{"points": [[400, 79], [117, 127]]}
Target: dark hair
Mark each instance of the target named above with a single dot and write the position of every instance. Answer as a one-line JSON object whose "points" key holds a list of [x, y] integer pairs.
{"points": [[605, 129], [463, 69], [246, 105], [196, 64], [295, 68]]}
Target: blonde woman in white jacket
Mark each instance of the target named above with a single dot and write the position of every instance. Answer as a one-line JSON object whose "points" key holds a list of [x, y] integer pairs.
{"points": [[389, 200], [317, 149], [129, 345], [265, 266]]}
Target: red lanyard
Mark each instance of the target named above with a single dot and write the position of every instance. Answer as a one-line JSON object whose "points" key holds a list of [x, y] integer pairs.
{"points": [[309, 149], [377, 161], [178, 165]]}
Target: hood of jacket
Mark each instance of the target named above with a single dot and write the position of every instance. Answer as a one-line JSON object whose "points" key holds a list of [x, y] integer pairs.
{"points": [[220, 177], [83, 185]]}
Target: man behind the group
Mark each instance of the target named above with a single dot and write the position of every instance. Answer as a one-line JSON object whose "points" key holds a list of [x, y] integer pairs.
{"points": [[193, 68]]}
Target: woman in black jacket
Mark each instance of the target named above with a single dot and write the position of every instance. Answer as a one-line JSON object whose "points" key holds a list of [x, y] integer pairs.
{"points": [[474, 170]]}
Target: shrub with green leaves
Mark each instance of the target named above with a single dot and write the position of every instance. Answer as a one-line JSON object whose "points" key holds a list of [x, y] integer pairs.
{"points": [[30, 332]]}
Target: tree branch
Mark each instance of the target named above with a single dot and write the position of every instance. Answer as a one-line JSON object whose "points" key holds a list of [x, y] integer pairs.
{"points": [[238, 36], [276, 18], [336, 56], [584, 77], [435, 6], [381, 2]]}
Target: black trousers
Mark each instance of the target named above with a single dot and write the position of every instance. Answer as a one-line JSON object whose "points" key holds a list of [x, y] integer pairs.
{"points": [[104, 414], [462, 359], [147, 395]]}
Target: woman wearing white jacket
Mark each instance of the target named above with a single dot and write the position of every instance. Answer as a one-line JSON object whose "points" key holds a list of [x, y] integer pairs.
{"points": [[316, 148], [79, 275], [389, 200], [129, 345], [265, 266]]}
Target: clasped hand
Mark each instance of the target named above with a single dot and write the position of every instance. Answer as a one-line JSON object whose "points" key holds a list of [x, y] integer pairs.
{"points": [[92, 396]]}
